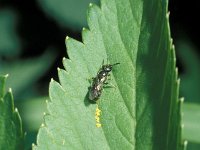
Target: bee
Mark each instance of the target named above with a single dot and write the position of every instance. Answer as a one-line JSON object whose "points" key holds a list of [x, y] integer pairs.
{"points": [[99, 81]]}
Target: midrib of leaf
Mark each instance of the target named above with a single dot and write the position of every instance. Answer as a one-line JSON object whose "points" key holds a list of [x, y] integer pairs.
{"points": [[108, 47]]}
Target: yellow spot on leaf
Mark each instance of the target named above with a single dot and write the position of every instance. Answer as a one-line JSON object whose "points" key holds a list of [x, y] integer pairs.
{"points": [[98, 125], [97, 117]]}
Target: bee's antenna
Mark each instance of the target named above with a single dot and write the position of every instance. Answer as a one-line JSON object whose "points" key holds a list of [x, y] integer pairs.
{"points": [[115, 64]]}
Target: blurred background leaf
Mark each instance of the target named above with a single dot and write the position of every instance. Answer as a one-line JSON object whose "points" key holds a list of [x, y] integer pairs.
{"points": [[24, 73], [32, 110], [191, 120], [190, 89], [190, 78], [9, 41], [67, 13]]}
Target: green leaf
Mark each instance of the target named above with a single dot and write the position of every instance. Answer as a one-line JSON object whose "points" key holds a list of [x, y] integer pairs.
{"points": [[68, 13], [9, 41], [191, 121], [143, 110], [190, 81], [26, 72], [193, 146], [10, 122], [32, 110]]}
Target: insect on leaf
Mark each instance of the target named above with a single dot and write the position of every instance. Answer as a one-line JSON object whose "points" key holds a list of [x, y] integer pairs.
{"points": [[142, 111]]}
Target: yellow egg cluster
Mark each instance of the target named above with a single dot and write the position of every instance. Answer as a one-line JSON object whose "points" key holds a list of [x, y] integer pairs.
{"points": [[97, 117]]}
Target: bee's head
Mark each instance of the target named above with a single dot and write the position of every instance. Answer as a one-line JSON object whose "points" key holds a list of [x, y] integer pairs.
{"points": [[108, 67]]}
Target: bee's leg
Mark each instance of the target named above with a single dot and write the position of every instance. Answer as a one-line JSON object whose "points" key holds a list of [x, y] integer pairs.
{"points": [[109, 85], [109, 77]]}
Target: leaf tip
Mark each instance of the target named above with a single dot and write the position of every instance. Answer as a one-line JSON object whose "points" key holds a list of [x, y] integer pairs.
{"points": [[63, 59], [173, 46], [6, 75], [90, 5], [67, 38], [176, 70], [42, 125], [16, 110], [52, 80], [83, 29], [10, 90], [168, 13], [33, 145], [58, 68], [182, 99], [185, 143]]}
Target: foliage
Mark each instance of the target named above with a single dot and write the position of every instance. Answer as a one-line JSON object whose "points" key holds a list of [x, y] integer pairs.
{"points": [[190, 81], [10, 45], [32, 69], [132, 113], [191, 119], [33, 27], [61, 11], [10, 121]]}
